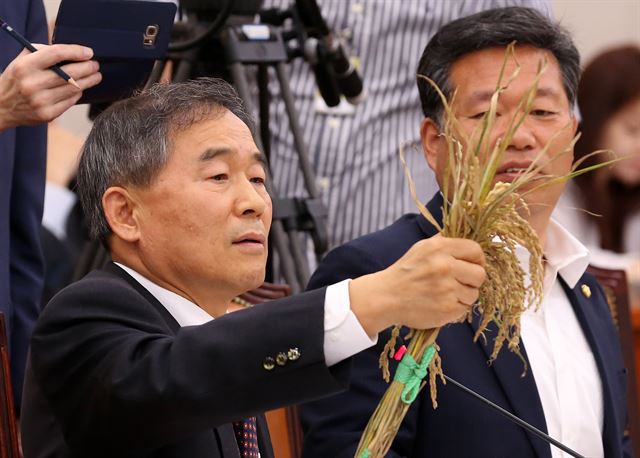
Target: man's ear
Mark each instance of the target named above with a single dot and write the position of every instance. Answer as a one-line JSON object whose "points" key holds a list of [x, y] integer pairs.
{"points": [[431, 141], [119, 210]]}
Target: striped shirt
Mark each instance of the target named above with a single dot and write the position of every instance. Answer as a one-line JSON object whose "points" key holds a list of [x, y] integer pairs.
{"points": [[355, 157]]}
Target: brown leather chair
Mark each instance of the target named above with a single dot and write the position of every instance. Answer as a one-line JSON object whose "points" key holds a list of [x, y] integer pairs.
{"points": [[616, 289], [285, 432], [9, 447]]}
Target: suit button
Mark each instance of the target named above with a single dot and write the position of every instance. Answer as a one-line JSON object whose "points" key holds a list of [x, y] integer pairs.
{"points": [[293, 354], [281, 359], [268, 363]]}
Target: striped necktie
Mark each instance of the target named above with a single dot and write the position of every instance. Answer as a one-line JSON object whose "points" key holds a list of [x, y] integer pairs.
{"points": [[247, 437]]}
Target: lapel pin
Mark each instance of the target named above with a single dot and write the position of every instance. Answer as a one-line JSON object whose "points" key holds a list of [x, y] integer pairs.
{"points": [[586, 291]]}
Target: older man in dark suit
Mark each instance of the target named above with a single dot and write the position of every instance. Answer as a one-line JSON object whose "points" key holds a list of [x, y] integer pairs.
{"points": [[140, 359], [574, 388]]}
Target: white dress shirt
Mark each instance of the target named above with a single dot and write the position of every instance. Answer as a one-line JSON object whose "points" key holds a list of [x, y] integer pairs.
{"points": [[343, 334], [584, 227], [58, 203], [563, 365]]}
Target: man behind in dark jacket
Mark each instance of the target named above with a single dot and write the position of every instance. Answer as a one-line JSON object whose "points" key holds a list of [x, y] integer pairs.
{"points": [[574, 387]]}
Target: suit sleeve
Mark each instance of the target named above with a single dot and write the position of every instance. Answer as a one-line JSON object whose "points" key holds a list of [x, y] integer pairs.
{"points": [[119, 381], [333, 425]]}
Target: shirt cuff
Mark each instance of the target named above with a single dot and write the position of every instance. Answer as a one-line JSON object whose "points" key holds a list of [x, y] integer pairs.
{"points": [[343, 334], [58, 202]]}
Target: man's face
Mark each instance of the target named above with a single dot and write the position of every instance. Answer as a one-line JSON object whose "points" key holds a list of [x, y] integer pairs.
{"points": [[204, 221], [621, 134], [475, 77]]}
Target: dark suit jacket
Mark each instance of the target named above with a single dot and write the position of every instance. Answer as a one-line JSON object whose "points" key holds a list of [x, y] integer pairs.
{"points": [[460, 426], [22, 176], [116, 374]]}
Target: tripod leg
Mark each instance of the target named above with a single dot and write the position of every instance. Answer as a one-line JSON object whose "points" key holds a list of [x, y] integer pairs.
{"points": [[263, 87], [301, 147], [303, 154], [292, 260], [287, 264]]}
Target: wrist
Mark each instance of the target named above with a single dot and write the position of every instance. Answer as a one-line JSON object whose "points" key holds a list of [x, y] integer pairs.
{"points": [[370, 305], [6, 121]]}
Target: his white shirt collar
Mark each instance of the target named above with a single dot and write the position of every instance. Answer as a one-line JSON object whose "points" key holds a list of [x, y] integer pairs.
{"points": [[565, 254], [185, 312]]}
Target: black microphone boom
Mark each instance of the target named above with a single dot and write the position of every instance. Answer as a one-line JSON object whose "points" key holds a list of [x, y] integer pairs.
{"points": [[532, 429], [347, 77], [331, 65], [311, 17], [317, 54]]}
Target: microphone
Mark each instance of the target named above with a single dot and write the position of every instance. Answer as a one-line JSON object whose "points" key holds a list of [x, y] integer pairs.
{"points": [[316, 53], [520, 422], [347, 77], [328, 51]]}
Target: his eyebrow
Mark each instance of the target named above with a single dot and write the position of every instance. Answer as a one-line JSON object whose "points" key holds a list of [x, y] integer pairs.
{"points": [[547, 92], [485, 95], [261, 159], [212, 153], [481, 96]]}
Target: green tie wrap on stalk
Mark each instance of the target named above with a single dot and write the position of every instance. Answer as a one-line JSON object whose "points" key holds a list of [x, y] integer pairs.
{"points": [[411, 374]]}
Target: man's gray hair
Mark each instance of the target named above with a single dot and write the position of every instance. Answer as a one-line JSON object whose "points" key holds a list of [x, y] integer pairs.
{"points": [[493, 28], [130, 142]]}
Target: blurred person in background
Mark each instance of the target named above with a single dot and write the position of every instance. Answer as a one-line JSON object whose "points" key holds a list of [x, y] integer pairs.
{"points": [[30, 96], [609, 102], [63, 233]]}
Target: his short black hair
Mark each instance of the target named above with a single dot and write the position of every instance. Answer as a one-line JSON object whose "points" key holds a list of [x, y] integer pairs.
{"points": [[493, 28]]}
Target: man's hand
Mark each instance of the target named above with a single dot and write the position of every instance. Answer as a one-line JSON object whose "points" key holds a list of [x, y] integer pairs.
{"points": [[31, 94], [433, 284]]}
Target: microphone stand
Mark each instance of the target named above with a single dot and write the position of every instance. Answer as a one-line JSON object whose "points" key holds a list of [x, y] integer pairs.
{"points": [[532, 429]]}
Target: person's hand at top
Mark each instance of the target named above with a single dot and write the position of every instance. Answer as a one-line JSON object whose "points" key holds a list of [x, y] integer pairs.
{"points": [[30, 93]]}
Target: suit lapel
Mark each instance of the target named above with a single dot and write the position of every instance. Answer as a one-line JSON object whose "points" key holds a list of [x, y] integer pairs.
{"points": [[595, 328], [166, 316], [520, 391], [435, 207]]}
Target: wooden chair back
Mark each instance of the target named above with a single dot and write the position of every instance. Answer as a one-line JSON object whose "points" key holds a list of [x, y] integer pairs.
{"points": [[285, 431], [9, 447], [616, 289]]}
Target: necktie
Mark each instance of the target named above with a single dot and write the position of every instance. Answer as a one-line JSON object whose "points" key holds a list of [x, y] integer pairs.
{"points": [[247, 437]]}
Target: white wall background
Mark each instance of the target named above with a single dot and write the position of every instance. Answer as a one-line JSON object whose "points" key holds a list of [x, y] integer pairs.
{"points": [[596, 25]]}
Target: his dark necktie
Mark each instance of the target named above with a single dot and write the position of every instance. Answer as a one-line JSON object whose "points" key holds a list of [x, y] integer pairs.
{"points": [[247, 437]]}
